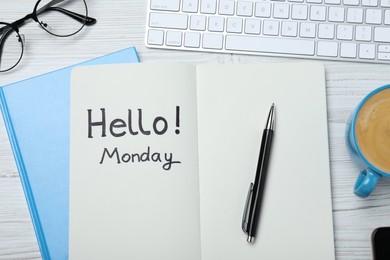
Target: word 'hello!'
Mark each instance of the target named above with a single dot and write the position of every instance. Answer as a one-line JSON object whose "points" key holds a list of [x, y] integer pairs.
{"points": [[119, 127]]}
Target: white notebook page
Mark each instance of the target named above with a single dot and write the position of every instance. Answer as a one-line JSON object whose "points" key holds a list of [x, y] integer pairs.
{"points": [[135, 210], [233, 105]]}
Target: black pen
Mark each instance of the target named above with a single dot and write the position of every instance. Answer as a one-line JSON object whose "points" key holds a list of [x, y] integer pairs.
{"points": [[255, 193]]}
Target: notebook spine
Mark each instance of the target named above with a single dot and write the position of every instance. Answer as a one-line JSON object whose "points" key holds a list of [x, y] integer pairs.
{"points": [[23, 177]]}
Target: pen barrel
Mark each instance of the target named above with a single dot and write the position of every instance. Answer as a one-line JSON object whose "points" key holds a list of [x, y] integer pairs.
{"points": [[259, 184]]}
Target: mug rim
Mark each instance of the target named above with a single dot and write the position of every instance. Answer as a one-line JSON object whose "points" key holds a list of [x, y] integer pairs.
{"points": [[365, 99]]}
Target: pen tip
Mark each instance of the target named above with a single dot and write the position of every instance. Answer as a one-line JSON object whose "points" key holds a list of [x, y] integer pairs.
{"points": [[271, 118]]}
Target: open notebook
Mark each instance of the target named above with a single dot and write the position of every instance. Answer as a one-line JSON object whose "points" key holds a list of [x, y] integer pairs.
{"points": [[36, 113], [162, 157]]}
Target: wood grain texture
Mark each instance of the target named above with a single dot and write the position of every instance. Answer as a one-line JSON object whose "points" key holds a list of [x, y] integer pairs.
{"points": [[121, 23]]}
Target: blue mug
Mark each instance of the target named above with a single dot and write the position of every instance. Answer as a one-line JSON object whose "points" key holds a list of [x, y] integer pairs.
{"points": [[369, 177]]}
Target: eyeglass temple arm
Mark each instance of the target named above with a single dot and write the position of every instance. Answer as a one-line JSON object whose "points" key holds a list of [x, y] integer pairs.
{"points": [[2, 30], [78, 17], [50, 4]]}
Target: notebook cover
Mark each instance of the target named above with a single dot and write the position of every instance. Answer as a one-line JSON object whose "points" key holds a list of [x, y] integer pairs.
{"points": [[36, 113]]}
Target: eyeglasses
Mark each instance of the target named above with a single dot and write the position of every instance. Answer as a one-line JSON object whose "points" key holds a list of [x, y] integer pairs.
{"points": [[61, 18]]}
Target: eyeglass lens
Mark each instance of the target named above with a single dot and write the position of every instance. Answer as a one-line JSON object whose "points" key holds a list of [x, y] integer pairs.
{"points": [[11, 47], [62, 17]]}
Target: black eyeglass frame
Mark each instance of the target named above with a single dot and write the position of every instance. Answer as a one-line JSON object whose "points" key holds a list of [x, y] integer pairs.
{"points": [[14, 27]]}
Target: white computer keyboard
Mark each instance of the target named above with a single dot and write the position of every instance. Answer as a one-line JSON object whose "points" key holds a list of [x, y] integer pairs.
{"points": [[348, 30]]}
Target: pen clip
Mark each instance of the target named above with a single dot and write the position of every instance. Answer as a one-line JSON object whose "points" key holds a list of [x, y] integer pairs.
{"points": [[245, 216]]}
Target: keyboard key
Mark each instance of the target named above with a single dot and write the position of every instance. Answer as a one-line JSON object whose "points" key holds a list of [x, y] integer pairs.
{"points": [[384, 48], [263, 9], [385, 3], [314, 1], [382, 34], [170, 21], [271, 27], [270, 45], [308, 30], [348, 50], [226, 7], [299, 12], [344, 32], [198, 23], [216, 24], [234, 25], [281, 10], [244, 8], [192, 40], [363, 33], [190, 6], [165, 5], [369, 2], [373, 16], [367, 51], [208, 6], [383, 56], [252, 26], [296, 1], [155, 37], [327, 49], [317, 13], [333, 2], [174, 38], [387, 17], [289, 29], [355, 15], [351, 2], [336, 14], [212, 41], [326, 31]]}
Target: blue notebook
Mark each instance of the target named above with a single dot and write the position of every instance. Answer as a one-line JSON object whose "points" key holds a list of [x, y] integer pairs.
{"points": [[37, 116]]}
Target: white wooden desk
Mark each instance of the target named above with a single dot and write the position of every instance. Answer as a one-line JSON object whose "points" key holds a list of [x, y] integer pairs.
{"points": [[121, 24]]}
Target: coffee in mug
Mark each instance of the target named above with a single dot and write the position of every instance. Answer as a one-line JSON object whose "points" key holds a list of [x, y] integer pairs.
{"points": [[373, 130], [368, 139]]}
